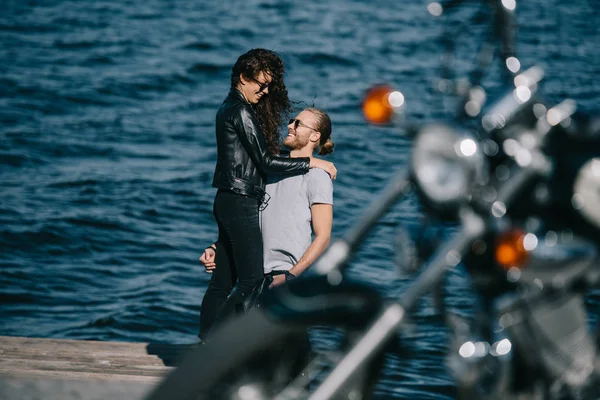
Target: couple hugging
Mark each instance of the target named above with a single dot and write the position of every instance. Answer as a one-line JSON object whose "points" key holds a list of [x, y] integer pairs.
{"points": [[266, 206]]}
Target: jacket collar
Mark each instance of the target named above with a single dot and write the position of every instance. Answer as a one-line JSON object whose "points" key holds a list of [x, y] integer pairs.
{"points": [[236, 94]]}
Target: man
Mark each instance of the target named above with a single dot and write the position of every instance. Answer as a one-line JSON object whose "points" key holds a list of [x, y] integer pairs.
{"points": [[297, 204]]}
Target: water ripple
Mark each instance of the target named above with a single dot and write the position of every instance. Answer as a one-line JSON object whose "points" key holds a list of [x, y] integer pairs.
{"points": [[107, 150]]}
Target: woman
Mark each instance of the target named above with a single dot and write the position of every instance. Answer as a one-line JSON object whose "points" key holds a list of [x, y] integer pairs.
{"points": [[247, 137]]}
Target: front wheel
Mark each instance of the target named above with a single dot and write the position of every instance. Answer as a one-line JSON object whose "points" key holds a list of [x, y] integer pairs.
{"points": [[252, 357]]}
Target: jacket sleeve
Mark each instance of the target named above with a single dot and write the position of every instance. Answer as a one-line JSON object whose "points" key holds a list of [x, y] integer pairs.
{"points": [[250, 133]]}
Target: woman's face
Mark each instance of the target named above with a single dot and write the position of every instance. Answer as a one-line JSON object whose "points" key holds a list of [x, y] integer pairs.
{"points": [[254, 89]]}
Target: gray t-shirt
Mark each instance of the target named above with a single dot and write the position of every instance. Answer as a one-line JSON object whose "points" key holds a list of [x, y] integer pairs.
{"points": [[286, 221]]}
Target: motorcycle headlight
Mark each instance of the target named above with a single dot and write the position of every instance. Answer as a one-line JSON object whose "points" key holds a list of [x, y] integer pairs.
{"points": [[445, 165], [586, 191]]}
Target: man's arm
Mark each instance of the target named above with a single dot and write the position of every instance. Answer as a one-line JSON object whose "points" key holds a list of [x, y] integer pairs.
{"points": [[322, 220]]}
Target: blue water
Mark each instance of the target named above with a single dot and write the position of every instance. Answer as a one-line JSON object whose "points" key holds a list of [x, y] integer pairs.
{"points": [[107, 146]]}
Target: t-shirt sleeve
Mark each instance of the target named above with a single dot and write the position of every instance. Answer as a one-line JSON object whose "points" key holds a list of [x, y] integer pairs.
{"points": [[320, 187]]}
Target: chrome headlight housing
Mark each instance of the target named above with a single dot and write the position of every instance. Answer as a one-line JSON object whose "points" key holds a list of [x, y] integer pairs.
{"points": [[586, 191], [445, 165]]}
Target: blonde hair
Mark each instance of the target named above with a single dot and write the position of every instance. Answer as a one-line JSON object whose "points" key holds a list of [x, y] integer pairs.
{"points": [[324, 127]]}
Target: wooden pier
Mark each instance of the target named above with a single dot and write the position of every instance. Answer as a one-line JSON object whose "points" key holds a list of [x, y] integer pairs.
{"points": [[32, 368]]}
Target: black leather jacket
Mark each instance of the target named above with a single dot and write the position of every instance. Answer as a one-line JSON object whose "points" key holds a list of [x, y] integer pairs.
{"points": [[243, 159]]}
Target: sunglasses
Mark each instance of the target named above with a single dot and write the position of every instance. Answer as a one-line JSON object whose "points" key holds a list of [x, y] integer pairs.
{"points": [[297, 122], [262, 86]]}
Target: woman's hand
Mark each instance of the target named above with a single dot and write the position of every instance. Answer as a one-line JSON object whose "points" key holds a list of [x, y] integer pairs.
{"points": [[324, 165], [208, 259]]}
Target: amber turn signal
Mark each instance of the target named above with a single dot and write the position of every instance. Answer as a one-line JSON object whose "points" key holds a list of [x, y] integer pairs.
{"points": [[376, 106], [510, 250]]}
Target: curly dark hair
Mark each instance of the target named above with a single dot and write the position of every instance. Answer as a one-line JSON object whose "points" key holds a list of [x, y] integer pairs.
{"points": [[273, 108]]}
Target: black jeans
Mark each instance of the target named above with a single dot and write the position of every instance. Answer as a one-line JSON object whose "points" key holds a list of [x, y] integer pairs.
{"points": [[239, 256]]}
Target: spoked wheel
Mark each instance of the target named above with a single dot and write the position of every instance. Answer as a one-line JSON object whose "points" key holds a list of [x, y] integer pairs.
{"points": [[248, 358]]}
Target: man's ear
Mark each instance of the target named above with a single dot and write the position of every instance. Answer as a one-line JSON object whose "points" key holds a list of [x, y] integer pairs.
{"points": [[243, 80], [315, 137]]}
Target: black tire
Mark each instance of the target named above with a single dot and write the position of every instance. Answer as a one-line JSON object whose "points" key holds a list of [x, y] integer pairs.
{"points": [[247, 350]]}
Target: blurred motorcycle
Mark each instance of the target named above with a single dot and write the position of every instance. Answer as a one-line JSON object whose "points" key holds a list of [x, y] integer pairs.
{"points": [[522, 186]]}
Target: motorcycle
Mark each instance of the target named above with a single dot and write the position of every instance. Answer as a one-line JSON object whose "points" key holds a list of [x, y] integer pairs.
{"points": [[522, 186]]}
